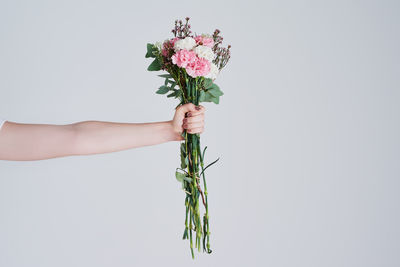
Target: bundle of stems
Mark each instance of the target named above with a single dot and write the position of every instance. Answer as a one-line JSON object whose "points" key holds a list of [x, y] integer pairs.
{"points": [[192, 164]]}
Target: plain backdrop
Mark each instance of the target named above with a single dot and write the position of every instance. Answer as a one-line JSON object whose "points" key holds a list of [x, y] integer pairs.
{"points": [[307, 132]]}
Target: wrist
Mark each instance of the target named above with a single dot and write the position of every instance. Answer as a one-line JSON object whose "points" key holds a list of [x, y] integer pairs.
{"points": [[172, 133]]}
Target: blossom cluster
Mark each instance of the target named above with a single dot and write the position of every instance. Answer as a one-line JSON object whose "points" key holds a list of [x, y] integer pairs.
{"points": [[194, 54], [199, 55]]}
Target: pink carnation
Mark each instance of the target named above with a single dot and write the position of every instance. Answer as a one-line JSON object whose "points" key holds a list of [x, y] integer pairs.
{"points": [[201, 40], [200, 67], [184, 57]]}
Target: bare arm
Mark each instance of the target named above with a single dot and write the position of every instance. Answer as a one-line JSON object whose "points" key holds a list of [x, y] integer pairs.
{"points": [[19, 141]]}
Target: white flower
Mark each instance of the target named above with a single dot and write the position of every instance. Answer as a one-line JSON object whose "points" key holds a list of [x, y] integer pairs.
{"points": [[213, 72], [188, 43], [204, 52], [158, 45]]}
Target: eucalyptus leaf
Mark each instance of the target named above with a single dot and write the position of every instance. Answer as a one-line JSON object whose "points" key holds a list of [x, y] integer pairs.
{"points": [[162, 90], [172, 94], [165, 75], [154, 66]]}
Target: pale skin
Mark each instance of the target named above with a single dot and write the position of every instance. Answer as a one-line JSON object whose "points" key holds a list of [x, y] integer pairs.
{"points": [[25, 142]]}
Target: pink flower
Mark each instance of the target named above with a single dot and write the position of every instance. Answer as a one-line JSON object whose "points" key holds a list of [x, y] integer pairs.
{"points": [[168, 45], [184, 57], [200, 67], [206, 41], [173, 41]]}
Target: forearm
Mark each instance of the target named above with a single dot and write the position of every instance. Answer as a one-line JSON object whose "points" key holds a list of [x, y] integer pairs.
{"points": [[22, 141], [93, 137]]}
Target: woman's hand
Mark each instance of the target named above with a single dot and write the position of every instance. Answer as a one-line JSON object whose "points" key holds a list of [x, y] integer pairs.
{"points": [[188, 117]]}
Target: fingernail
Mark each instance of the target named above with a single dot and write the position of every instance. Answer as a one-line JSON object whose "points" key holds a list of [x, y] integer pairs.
{"points": [[184, 125], [184, 120], [197, 108], [189, 114]]}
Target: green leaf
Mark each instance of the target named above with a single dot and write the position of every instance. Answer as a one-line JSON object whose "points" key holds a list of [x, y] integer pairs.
{"points": [[150, 49], [172, 94], [183, 148], [154, 66], [208, 83], [209, 165], [162, 90], [187, 179], [215, 90], [180, 176], [202, 153], [172, 82], [206, 96], [183, 156], [215, 100], [185, 234], [183, 163], [165, 76], [202, 96]]}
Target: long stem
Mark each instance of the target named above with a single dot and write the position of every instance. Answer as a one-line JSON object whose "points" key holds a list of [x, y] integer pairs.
{"points": [[191, 93], [206, 217]]}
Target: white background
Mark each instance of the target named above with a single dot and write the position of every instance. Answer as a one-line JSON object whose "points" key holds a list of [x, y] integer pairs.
{"points": [[307, 131]]}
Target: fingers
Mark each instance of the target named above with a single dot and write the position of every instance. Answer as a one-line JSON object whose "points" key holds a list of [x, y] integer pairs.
{"points": [[194, 124], [196, 118], [186, 108], [193, 117], [197, 111], [195, 130]]}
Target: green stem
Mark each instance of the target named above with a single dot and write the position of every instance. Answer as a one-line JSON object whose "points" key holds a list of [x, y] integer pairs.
{"points": [[191, 93]]}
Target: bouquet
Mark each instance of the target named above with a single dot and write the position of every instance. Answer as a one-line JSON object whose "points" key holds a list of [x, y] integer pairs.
{"points": [[192, 63]]}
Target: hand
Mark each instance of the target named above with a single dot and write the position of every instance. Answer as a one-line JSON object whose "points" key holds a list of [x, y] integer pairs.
{"points": [[190, 118]]}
